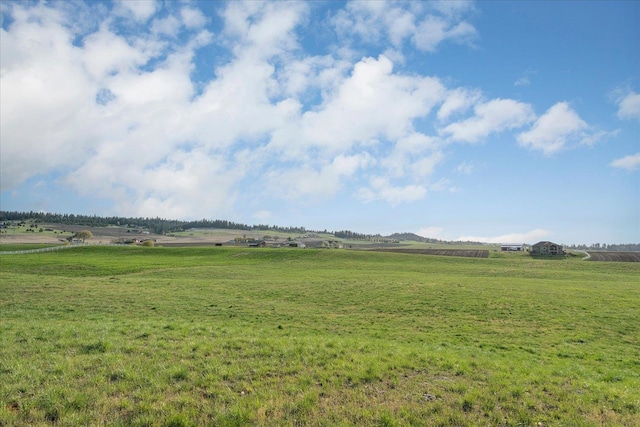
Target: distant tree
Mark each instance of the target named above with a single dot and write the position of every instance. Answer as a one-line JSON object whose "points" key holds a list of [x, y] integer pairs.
{"points": [[84, 234]]}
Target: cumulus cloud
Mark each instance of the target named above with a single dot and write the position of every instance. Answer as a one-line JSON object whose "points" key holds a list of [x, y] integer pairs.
{"points": [[308, 181], [123, 119], [629, 106], [553, 129], [192, 18], [630, 162], [424, 26], [490, 117], [434, 30], [48, 119], [123, 109], [140, 10], [458, 101], [527, 237], [370, 103]]}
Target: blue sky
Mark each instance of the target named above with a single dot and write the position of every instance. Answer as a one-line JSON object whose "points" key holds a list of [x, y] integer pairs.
{"points": [[494, 121]]}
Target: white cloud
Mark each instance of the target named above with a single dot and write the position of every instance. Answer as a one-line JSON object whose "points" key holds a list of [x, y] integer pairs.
{"points": [[47, 120], [381, 189], [106, 53], [169, 26], [465, 168], [594, 137], [264, 29], [457, 101], [417, 143], [431, 232], [114, 108], [443, 184], [532, 236], [551, 131], [192, 18], [434, 30], [426, 165], [490, 117], [629, 106], [425, 27], [372, 102], [306, 180], [525, 79], [630, 163], [141, 10]]}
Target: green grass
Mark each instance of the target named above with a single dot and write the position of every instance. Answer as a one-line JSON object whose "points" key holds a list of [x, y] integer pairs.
{"points": [[235, 336], [8, 247]]}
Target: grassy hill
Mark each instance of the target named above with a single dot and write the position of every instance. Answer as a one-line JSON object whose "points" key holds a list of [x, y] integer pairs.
{"points": [[237, 336]]}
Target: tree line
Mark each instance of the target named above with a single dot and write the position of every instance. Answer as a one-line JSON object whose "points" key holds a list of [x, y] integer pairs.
{"points": [[155, 225]]}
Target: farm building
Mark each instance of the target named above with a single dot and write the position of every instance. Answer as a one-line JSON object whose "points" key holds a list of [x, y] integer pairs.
{"points": [[511, 247], [297, 245], [546, 248]]}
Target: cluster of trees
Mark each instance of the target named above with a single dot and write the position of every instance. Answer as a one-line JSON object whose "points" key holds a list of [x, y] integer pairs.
{"points": [[350, 235]]}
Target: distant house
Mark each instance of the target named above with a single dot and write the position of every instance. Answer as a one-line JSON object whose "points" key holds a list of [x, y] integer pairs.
{"points": [[547, 248], [257, 244]]}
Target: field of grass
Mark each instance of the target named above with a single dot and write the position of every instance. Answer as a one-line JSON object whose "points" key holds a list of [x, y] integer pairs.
{"points": [[8, 247], [276, 337]]}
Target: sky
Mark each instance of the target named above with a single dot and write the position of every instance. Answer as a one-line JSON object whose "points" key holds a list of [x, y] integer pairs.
{"points": [[504, 122]]}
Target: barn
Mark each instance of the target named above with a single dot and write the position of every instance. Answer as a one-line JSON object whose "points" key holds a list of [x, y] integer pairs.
{"points": [[546, 248]]}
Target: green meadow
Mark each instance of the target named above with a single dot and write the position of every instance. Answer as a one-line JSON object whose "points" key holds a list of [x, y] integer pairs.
{"points": [[131, 336]]}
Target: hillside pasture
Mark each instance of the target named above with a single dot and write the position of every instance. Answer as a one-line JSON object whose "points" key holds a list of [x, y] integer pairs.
{"points": [[614, 256], [132, 336]]}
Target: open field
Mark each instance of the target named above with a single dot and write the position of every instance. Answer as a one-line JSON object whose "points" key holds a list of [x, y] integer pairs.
{"points": [[237, 336]]}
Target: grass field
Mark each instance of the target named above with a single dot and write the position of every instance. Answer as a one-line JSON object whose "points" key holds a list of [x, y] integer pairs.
{"points": [[233, 336], [8, 247]]}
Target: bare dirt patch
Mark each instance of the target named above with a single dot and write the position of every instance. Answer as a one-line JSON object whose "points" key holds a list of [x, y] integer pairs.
{"points": [[615, 256], [469, 253]]}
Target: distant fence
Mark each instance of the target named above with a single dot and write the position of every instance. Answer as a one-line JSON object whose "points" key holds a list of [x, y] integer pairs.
{"points": [[49, 249]]}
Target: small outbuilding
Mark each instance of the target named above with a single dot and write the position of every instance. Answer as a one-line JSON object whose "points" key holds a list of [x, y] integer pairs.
{"points": [[547, 248]]}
